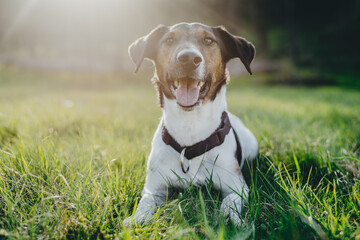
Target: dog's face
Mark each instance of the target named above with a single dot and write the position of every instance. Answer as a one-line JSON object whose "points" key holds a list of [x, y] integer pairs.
{"points": [[190, 60]]}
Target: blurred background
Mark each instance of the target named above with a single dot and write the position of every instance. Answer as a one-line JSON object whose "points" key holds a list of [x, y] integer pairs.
{"points": [[300, 41], [76, 123]]}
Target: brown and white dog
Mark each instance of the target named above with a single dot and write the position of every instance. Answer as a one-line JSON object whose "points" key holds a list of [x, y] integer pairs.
{"points": [[195, 128]]}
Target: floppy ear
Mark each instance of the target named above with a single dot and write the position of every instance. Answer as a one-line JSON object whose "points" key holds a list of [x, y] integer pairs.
{"points": [[147, 46], [235, 47]]}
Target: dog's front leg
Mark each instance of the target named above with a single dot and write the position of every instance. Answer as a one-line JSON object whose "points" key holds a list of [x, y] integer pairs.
{"points": [[234, 198], [144, 211], [154, 195]]}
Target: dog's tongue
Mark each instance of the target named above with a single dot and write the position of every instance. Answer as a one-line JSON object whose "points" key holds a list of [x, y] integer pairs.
{"points": [[187, 93]]}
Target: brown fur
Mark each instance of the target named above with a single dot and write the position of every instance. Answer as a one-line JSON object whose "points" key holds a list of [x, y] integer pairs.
{"points": [[212, 56], [225, 47]]}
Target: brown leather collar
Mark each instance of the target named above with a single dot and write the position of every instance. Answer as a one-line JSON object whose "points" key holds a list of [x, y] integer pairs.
{"points": [[214, 140]]}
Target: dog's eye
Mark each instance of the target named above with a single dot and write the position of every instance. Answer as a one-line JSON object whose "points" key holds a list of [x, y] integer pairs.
{"points": [[208, 41], [170, 41]]}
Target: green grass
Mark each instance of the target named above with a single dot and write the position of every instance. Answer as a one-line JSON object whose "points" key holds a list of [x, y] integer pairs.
{"points": [[73, 150]]}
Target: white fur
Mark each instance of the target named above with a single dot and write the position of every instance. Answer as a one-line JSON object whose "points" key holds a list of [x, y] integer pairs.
{"points": [[189, 127]]}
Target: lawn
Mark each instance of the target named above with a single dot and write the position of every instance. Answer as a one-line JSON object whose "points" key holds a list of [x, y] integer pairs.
{"points": [[73, 149]]}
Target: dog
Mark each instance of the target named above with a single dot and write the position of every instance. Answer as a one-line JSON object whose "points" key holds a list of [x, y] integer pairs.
{"points": [[197, 136]]}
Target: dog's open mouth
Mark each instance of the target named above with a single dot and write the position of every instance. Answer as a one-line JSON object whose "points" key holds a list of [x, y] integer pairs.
{"points": [[188, 91]]}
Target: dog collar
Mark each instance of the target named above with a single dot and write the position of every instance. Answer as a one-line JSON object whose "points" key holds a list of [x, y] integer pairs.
{"points": [[199, 148]]}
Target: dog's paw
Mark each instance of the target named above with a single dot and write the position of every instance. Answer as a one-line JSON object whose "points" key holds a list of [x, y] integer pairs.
{"points": [[231, 208], [143, 212], [236, 219], [127, 222], [137, 220], [233, 216]]}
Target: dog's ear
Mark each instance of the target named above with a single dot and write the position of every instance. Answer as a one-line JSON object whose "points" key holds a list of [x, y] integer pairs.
{"points": [[235, 47], [146, 46]]}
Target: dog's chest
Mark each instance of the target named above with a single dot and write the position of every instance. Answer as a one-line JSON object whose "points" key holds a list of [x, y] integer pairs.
{"points": [[214, 164], [199, 171]]}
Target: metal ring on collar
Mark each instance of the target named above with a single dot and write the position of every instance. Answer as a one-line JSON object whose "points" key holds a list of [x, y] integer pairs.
{"points": [[182, 162]]}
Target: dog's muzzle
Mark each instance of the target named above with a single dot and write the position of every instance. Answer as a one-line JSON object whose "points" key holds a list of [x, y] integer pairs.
{"points": [[189, 60]]}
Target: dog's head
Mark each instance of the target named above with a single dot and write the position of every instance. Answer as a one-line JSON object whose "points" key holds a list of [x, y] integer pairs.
{"points": [[190, 60]]}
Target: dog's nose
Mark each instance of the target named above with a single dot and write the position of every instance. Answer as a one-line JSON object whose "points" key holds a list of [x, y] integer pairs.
{"points": [[189, 59]]}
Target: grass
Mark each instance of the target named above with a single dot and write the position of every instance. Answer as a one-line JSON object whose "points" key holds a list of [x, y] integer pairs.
{"points": [[73, 150]]}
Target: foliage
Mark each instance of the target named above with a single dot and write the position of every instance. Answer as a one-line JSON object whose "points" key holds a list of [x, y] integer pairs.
{"points": [[321, 35]]}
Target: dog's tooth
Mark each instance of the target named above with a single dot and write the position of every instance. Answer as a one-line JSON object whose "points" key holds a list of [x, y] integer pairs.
{"points": [[201, 83], [176, 83]]}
